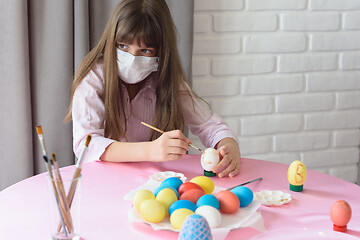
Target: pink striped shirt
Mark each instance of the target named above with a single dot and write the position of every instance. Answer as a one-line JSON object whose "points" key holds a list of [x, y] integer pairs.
{"points": [[88, 113]]}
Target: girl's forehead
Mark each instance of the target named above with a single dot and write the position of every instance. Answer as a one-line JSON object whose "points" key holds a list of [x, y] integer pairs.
{"points": [[140, 42]]}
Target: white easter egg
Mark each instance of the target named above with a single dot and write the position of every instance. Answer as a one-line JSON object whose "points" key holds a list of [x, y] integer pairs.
{"points": [[209, 158], [211, 214]]}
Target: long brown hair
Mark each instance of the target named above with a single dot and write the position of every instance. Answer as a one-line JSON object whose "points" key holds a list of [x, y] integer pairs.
{"points": [[150, 21]]}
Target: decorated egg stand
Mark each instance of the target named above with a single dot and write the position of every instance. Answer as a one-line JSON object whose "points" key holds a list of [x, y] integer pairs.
{"points": [[340, 214], [209, 158], [166, 204], [296, 176]]}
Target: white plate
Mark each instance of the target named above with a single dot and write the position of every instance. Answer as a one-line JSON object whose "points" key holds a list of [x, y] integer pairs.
{"points": [[300, 234], [272, 198], [229, 221]]}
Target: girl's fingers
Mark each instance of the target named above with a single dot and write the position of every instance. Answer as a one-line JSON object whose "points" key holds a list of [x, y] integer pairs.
{"points": [[229, 168], [236, 171], [178, 135], [177, 150], [224, 160], [177, 143]]}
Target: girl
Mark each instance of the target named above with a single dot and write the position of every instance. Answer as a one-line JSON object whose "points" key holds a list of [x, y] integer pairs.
{"points": [[134, 75]]}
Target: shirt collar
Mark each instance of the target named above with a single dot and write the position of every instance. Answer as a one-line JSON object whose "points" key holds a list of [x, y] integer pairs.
{"points": [[150, 82]]}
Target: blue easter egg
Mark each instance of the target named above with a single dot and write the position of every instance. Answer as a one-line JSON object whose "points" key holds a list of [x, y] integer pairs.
{"points": [[195, 227], [182, 204], [172, 182], [208, 199], [162, 187], [244, 194]]}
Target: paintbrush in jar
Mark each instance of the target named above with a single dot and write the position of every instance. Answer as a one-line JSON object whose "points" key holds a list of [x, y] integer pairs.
{"points": [[62, 212], [61, 191], [77, 173]]}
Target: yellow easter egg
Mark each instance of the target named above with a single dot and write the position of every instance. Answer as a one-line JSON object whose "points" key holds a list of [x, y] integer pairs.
{"points": [[141, 196], [205, 183], [297, 173], [152, 211], [167, 197], [178, 217]]}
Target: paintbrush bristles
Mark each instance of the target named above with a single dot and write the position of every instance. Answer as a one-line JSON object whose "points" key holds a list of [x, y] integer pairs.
{"points": [[39, 130], [88, 139]]}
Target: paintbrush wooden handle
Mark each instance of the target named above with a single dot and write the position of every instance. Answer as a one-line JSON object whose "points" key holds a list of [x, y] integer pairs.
{"points": [[64, 202], [71, 193], [161, 131], [60, 203], [72, 189]]}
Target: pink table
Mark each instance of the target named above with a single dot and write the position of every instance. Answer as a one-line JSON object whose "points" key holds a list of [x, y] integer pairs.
{"points": [[24, 206]]}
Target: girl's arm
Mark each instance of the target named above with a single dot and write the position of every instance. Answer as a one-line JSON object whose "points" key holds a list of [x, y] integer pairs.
{"points": [[169, 146], [230, 158], [213, 132]]}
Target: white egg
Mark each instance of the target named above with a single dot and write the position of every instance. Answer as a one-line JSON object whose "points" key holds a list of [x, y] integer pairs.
{"points": [[209, 158], [211, 214]]}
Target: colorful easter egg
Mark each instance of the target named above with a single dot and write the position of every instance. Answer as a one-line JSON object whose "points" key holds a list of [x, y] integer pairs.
{"points": [[192, 195], [195, 227], [182, 204], [209, 158], [140, 196], [178, 217], [167, 197], [340, 214], [297, 175], [229, 202], [157, 190], [152, 211], [172, 182], [205, 183], [211, 214], [187, 186], [208, 199], [244, 194]]}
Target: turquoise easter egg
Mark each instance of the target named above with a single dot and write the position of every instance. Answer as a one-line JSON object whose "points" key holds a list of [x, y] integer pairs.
{"points": [[244, 194], [172, 182], [182, 204], [208, 199]]}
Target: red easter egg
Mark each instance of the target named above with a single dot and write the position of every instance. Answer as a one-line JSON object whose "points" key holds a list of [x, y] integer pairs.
{"points": [[187, 186], [340, 213], [192, 195], [229, 202]]}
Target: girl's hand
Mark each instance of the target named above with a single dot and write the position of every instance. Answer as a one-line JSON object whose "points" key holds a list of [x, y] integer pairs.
{"points": [[169, 146], [229, 164]]}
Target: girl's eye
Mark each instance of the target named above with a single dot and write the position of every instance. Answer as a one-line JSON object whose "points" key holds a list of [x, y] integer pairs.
{"points": [[147, 51], [122, 46]]}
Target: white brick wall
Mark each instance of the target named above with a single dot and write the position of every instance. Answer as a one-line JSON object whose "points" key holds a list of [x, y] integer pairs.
{"points": [[285, 76]]}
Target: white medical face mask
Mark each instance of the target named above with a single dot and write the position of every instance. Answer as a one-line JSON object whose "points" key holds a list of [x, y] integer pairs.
{"points": [[134, 69]]}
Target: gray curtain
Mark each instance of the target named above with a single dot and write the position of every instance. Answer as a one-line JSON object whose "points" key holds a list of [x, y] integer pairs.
{"points": [[41, 44]]}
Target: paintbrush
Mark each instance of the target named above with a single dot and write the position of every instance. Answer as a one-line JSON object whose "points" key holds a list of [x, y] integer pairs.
{"points": [[42, 143], [63, 215], [77, 173], [61, 190], [61, 211], [245, 183], [161, 131], [72, 189]]}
